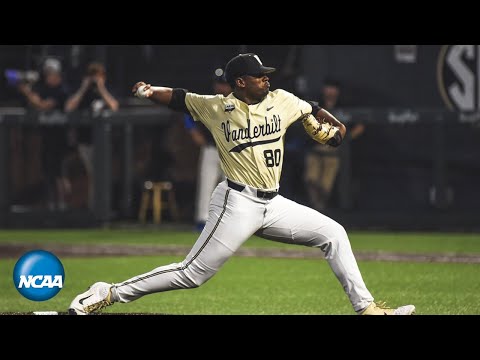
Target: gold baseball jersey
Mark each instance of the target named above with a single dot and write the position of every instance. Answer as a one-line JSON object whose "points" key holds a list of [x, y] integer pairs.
{"points": [[250, 138]]}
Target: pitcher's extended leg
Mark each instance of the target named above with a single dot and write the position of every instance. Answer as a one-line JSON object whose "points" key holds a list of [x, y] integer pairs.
{"points": [[287, 221], [232, 220]]}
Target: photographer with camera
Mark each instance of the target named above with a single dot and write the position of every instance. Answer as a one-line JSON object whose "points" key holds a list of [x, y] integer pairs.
{"points": [[94, 97], [48, 94], [92, 94]]}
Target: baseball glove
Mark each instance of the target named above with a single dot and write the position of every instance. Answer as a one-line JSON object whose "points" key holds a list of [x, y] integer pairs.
{"points": [[322, 132]]}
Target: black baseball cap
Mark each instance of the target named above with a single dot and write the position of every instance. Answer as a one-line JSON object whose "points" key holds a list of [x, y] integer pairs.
{"points": [[245, 64]]}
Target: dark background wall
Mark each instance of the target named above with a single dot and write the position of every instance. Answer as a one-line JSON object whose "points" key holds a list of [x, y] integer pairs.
{"points": [[394, 166], [372, 77]]}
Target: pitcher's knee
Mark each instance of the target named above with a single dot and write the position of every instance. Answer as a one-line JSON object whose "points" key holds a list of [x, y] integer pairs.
{"points": [[330, 237], [339, 231], [196, 276]]}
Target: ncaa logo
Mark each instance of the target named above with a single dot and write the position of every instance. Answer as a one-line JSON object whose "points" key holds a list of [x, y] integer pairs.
{"points": [[458, 76], [38, 275]]}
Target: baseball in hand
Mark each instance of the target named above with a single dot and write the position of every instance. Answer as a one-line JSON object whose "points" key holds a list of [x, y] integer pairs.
{"points": [[141, 92]]}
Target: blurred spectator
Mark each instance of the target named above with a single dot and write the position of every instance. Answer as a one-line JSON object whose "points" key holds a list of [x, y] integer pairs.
{"points": [[92, 97], [49, 95], [322, 162], [210, 172], [93, 93]]}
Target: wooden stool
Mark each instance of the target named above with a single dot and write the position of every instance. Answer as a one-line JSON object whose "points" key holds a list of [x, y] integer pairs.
{"points": [[156, 188]]}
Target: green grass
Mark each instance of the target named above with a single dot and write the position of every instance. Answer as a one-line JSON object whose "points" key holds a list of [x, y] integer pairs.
{"points": [[366, 241], [416, 242], [261, 286], [264, 286]]}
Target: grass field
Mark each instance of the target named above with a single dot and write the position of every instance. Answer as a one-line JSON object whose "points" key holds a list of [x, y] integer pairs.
{"points": [[262, 285]]}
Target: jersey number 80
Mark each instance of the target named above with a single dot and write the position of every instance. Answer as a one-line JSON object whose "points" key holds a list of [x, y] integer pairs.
{"points": [[272, 158]]}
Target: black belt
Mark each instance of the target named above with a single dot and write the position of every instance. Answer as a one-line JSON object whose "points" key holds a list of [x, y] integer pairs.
{"points": [[260, 194]]}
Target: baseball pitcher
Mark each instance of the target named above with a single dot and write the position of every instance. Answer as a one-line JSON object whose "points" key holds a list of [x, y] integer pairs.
{"points": [[249, 128]]}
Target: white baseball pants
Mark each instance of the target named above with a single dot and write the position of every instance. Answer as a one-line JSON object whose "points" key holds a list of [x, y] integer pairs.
{"points": [[233, 218]]}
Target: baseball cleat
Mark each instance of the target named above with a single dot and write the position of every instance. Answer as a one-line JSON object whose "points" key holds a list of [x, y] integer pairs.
{"points": [[382, 309], [97, 297]]}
